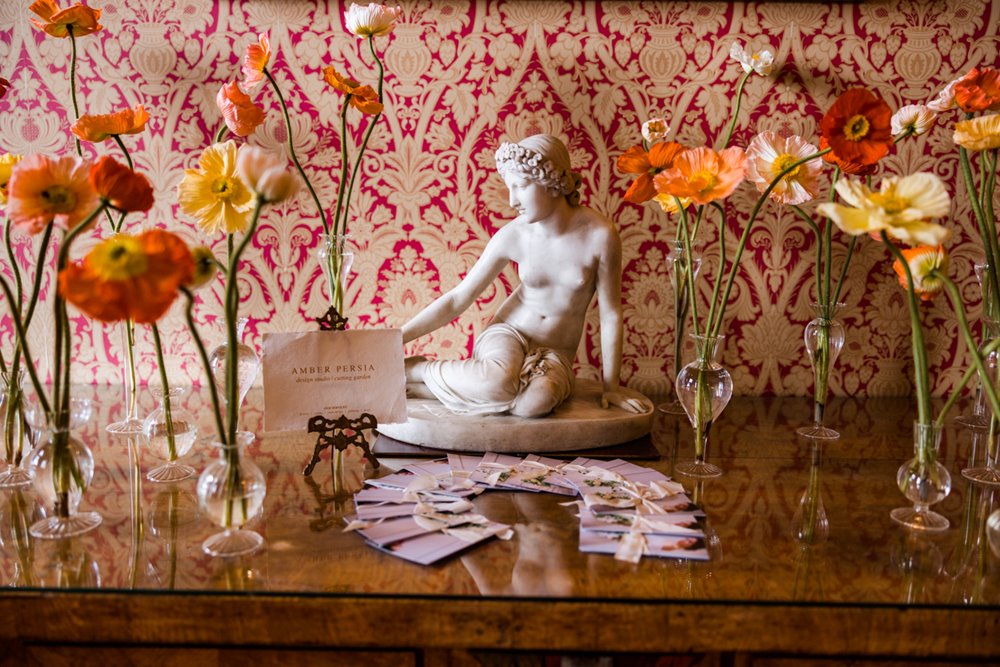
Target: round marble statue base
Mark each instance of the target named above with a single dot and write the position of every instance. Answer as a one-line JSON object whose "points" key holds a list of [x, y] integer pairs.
{"points": [[579, 423]]}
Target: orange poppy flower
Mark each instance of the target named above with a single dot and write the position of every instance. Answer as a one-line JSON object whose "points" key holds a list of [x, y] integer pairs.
{"points": [[239, 112], [4, 86], [100, 127], [858, 127], [362, 98], [979, 90], [121, 187], [43, 190], [647, 164], [58, 22], [702, 175], [923, 260], [255, 59], [127, 276]]}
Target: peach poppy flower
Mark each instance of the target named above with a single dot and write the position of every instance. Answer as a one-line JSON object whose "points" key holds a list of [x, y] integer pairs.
{"points": [[978, 134], [637, 160], [769, 154], [58, 22], [979, 90], [266, 173], [858, 127], [371, 20], [913, 119], [100, 127], [122, 188], [923, 261], [241, 115], [7, 162], [362, 98], [43, 190], [255, 60], [703, 175], [126, 276], [4, 86]]}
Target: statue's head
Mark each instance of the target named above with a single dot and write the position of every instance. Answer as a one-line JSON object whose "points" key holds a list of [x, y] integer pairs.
{"points": [[544, 159]]}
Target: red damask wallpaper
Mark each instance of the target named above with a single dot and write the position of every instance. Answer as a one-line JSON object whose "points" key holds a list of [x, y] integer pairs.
{"points": [[462, 77]]}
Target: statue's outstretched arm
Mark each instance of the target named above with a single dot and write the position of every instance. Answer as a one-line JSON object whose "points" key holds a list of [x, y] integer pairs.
{"points": [[453, 303]]}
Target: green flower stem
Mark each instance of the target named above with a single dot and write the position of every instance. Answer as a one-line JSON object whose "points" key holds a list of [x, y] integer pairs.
{"points": [[715, 325], [819, 248], [368, 133], [697, 223], [138, 528], [736, 108], [22, 344], [986, 231], [991, 183], [117, 226], [343, 167], [15, 269], [919, 350], [165, 386], [291, 151], [843, 268], [220, 134], [722, 260], [689, 259], [990, 348], [36, 286], [206, 364], [72, 84], [970, 342]]}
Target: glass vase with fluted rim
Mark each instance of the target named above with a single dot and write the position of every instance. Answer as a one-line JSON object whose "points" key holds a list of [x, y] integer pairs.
{"points": [[704, 388], [924, 482], [335, 254], [824, 339], [231, 493]]}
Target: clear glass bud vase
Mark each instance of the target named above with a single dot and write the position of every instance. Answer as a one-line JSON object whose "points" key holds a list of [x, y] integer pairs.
{"points": [[16, 432], [990, 318], [61, 468], [924, 481], [130, 422], [336, 257], [247, 365], [231, 492], [824, 339], [170, 433], [704, 388], [680, 274]]}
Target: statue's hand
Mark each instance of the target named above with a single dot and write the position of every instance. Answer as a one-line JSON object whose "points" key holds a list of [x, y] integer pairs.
{"points": [[626, 403]]}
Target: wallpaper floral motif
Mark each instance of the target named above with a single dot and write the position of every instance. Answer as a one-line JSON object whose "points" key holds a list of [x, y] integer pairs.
{"points": [[462, 77]]}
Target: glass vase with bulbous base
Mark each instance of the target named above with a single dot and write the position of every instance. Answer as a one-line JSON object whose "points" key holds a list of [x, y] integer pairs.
{"points": [[704, 388], [61, 468], [170, 433], [335, 254], [247, 365], [231, 492], [924, 481], [14, 470], [824, 339], [680, 274]]}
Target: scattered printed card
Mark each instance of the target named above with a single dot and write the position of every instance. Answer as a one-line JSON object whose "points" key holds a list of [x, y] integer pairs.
{"points": [[681, 524], [662, 546]]}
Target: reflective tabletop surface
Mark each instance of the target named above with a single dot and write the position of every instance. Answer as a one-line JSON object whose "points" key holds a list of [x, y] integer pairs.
{"points": [[762, 545]]}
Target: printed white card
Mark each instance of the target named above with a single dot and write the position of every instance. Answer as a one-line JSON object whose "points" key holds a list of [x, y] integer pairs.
{"points": [[333, 373]]}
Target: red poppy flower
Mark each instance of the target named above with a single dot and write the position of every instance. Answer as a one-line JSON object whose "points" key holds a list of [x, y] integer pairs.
{"points": [[979, 90], [647, 164], [100, 127], [362, 98], [123, 189], [58, 22], [858, 127]]}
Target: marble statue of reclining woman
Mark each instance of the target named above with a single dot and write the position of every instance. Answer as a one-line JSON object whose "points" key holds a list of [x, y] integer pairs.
{"points": [[522, 363]]}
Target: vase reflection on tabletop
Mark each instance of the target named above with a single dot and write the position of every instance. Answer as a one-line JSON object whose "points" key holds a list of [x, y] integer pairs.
{"points": [[824, 338], [704, 388], [924, 481], [231, 492]]}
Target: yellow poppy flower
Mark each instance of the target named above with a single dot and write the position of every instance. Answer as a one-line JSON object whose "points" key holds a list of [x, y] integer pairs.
{"points": [[978, 134], [213, 194]]}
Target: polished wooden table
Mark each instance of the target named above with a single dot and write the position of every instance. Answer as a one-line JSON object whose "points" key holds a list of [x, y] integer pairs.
{"points": [[140, 583]]}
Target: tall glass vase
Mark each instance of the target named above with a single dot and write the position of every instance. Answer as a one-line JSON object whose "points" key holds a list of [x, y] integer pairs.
{"points": [[824, 339], [247, 365], [130, 423], [14, 470], [704, 388], [61, 468], [990, 318], [924, 481], [680, 274], [336, 256], [231, 492]]}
